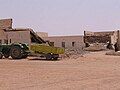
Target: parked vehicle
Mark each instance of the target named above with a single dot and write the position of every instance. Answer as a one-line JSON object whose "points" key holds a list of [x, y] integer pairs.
{"points": [[16, 51], [19, 51], [50, 52]]}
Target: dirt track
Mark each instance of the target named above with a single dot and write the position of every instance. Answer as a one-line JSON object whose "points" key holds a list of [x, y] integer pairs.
{"points": [[94, 71]]}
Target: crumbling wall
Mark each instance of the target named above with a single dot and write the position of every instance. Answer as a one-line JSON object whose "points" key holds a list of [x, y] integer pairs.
{"points": [[110, 33], [118, 32], [114, 37], [88, 33], [10, 35], [6, 24], [97, 39], [100, 37]]}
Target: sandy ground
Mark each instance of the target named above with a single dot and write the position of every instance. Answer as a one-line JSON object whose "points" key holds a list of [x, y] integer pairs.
{"points": [[94, 71]]}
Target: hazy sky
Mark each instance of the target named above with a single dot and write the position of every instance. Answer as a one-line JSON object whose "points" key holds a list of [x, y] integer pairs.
{"points": [[63, 17]]}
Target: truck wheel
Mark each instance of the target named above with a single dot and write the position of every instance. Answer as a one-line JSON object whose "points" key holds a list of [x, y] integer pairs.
{"points": [[16, 52], [55, 56], [48, 56], [25, 56], [6, 55], [1, 55]]}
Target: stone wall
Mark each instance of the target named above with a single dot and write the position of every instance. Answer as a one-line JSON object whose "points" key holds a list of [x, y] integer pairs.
{"points": [[88, 33], [69, 41], [6, 24], [3, 36], [22, 36], [108, 33], [100, 37]]}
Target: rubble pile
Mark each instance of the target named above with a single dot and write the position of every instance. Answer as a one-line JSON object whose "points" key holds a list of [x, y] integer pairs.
{"points": [[96, 47], [73, 53], [113, 53]]}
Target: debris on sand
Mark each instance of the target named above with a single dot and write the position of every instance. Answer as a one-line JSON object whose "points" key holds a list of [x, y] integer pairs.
{"points": [[73, 53], [113, 53], [96, 47]]}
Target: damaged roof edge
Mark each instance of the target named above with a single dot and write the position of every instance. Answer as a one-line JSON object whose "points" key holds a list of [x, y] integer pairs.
{"points": [[40, 40], [37, 38], [6, 25]]}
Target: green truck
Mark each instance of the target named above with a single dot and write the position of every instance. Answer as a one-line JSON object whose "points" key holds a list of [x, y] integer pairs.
{"points": [[19, 51], [16, 51]]}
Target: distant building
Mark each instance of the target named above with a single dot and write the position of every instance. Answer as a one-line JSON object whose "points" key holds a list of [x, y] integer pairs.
{"points": [[66, 41]]}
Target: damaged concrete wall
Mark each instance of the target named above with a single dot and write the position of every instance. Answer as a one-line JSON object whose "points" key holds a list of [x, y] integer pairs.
{"points": [[97, 39], [10, 35], [118, 32], [88, 33], [100, 37], [109, 33], [114, 37], [6, 24]]}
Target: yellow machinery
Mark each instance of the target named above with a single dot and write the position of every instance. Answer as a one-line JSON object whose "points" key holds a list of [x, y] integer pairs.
{"points": [[50, 52]]}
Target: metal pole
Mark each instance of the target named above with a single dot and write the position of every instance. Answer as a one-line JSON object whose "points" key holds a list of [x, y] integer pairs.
{"points": [[118, 40]]}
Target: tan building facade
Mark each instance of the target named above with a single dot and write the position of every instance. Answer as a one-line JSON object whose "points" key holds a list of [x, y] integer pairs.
{"points": [[3, 36], [9, 35], [19, 36], [6, 24], [15, 36], [66, 41]]}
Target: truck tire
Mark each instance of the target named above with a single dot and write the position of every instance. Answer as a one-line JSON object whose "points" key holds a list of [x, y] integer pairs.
{"points": [[25, 56], [1, 55], [55, 56], [6, 55], [6, 52], [16, 52], [48, 56]]}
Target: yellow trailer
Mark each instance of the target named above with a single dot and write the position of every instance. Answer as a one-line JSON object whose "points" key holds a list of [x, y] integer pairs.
{"points": [[50, 52]]}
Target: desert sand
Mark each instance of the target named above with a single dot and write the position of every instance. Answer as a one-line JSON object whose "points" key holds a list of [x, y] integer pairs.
{"points": [[93, 71]]}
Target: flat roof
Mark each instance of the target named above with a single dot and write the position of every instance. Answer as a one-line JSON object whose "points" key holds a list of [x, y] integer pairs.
{"points": [[66, 36]]}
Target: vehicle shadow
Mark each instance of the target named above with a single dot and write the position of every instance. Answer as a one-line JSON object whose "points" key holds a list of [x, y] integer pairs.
{"points": [[40, 59]]}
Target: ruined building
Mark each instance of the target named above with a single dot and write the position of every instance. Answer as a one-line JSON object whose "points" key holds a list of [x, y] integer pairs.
{"points": [[100, 37], [15, 35]]}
